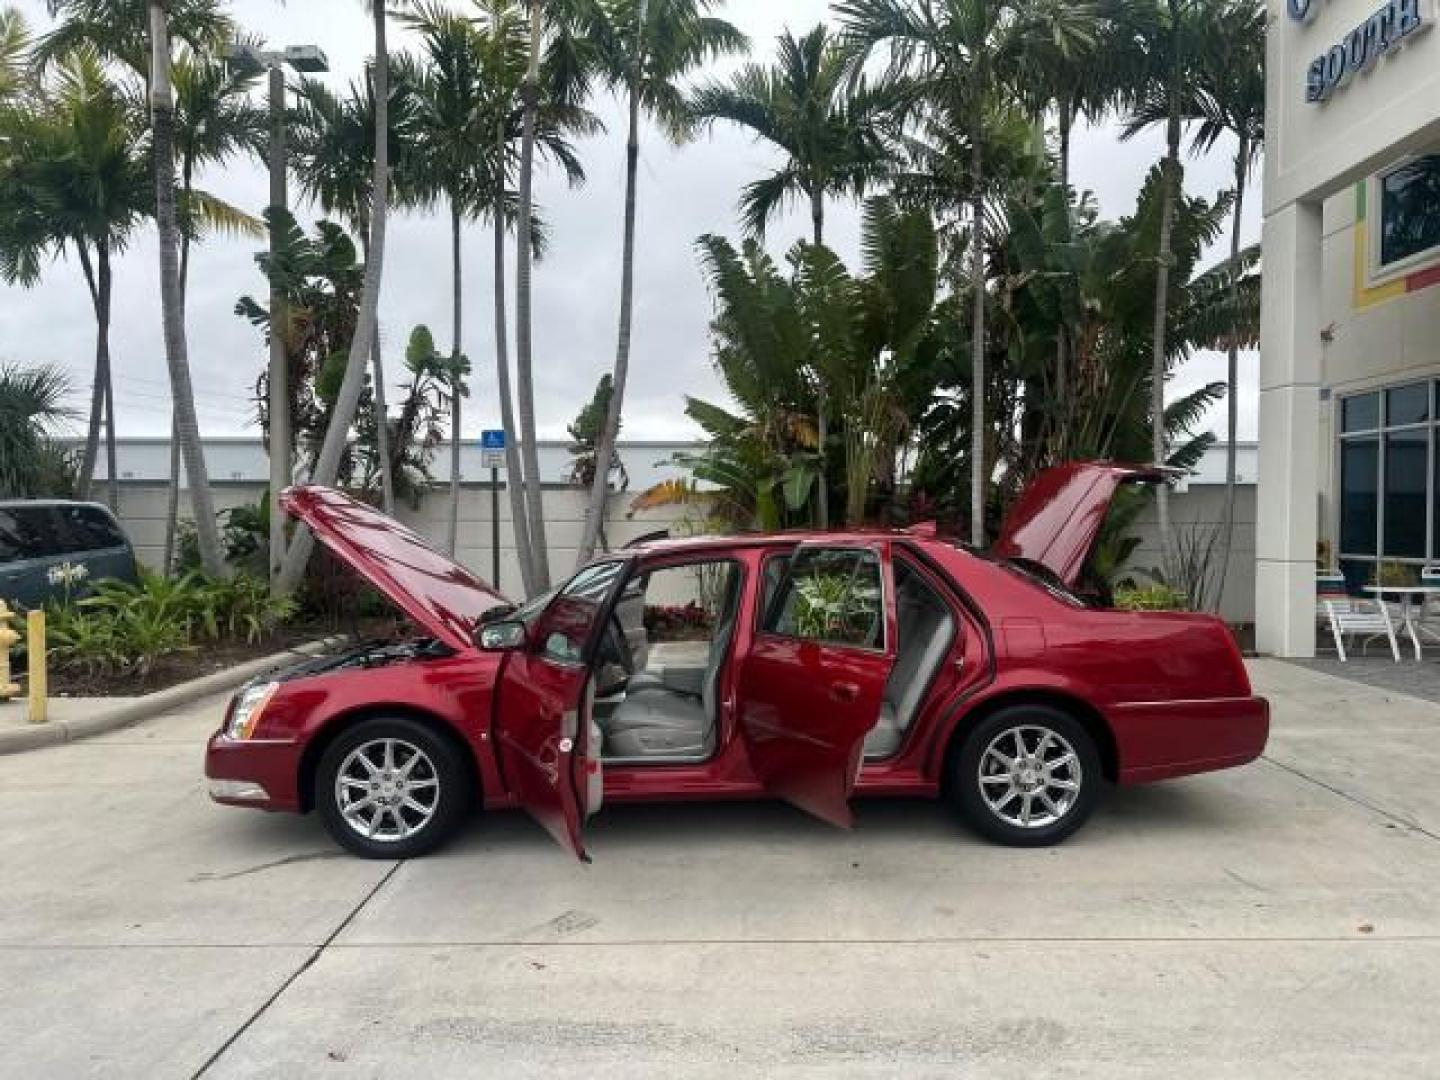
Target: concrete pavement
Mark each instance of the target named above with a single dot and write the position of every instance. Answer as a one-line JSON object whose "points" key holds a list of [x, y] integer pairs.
{"points": [[1278, 920]]}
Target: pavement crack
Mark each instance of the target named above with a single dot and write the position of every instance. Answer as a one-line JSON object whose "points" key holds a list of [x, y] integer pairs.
{"points": [[287, 861], [308, 963], [1374, 808]]}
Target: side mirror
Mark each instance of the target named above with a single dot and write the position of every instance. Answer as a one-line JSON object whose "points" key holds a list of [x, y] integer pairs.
{"points": [[501, 636]]}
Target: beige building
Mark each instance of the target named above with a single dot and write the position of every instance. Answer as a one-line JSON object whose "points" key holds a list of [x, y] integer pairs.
{"points": [[1349, 465]]}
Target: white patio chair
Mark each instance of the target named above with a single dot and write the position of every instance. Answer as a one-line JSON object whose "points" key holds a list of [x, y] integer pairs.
{"points": [[1427, 614], [1352, 616]]}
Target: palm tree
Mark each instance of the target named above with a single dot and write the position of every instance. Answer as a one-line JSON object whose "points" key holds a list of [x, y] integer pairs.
{"points": [[1066, 70], [32, 410], [503, 37], [214, 121], [647, 47], [806, 106], [530, 95], [120, 30], [964, 59], [327, 465], [334, 159], [451, 139], [1234, 103], [75, 178], [1066, 66], [506, 57], [172, 303], [14, 47], [1162, 64]]}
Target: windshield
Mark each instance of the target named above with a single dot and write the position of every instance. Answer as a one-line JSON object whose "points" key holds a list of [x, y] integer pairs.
{"points": [[530, 610]]}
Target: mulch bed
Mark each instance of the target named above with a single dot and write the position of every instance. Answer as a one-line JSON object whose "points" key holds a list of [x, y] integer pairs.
{"points": [[205, 660]]}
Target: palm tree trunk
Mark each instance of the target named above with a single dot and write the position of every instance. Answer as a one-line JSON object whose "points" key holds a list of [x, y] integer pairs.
{"points": [[172, 493], [457, 316], [1062, 341], [977, 343], [525, 377], [97, 387], [342, 416], [1067, 122], [105, 280], [605, 446], [382, 423], [112, 465], [1232, 375], [519, 522], [172, 500], [822, 392], [162, 102], [384, 461], [1171, 179]]}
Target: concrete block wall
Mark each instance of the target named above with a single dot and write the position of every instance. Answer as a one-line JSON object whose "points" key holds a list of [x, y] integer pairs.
{"points": [[1201, 507]]}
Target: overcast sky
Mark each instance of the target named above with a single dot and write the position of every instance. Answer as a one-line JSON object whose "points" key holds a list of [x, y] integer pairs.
{"points": [[683, 193]]}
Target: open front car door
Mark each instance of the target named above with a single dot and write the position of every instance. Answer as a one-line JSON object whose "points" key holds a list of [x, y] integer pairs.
{"points": [[545, 734], [811, 685]]}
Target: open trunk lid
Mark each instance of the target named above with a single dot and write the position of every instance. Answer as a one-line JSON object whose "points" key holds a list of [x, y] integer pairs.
{"points": [[1057, 518]]}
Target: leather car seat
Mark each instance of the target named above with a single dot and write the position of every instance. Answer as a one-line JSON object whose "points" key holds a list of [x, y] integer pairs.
{"points": [[926, 632], [656, 721]]}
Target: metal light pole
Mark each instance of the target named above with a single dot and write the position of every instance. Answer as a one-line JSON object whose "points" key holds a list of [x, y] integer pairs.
{"points": [[308, 59]]}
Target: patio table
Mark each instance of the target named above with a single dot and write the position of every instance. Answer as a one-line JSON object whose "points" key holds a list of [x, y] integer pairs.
{"points": [[1409, 607]]}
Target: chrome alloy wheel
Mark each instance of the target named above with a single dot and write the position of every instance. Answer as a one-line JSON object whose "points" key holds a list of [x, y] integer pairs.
{"points": [[1030, 776], [387, 789]]}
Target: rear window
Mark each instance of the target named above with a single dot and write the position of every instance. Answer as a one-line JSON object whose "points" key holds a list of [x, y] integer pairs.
{"points": [[88, 528], [43, 532], [28, 532]]}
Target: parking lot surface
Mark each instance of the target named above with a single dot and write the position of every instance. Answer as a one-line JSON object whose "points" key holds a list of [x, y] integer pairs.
{"points": [[1278, 920]]}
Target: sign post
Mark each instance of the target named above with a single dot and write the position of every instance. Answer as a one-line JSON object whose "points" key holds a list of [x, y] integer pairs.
{"points": [[492, 456]]}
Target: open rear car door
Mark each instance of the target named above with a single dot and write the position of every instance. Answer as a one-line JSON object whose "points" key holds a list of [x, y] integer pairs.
{"points": [[810, 688], [545, 735]]}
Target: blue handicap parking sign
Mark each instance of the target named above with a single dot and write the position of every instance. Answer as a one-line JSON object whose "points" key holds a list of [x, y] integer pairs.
{"points": [[492, 440]]}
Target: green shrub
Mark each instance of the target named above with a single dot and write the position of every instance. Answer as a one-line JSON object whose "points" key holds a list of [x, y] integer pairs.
{"points": [[125, 628], [1154, 596]]}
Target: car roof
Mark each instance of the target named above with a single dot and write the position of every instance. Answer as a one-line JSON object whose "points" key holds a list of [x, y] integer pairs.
{"points": [[683, 544], [18, 504]]}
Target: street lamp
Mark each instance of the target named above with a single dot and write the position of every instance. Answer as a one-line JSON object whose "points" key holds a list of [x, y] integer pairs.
{"points": [[307, 59]]}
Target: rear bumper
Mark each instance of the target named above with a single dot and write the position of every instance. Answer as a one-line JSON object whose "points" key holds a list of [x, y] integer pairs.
{"points": [[1158, 740], [256, 773]]}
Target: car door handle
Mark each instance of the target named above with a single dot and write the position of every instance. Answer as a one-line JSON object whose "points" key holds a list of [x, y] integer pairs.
{"points": [[844, 691]]}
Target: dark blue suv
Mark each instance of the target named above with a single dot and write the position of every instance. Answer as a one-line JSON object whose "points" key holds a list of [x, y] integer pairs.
{"points": [[54, 550]]}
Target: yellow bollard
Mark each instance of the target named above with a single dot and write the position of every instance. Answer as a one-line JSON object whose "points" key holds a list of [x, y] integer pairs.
{"points": [[8, 639], [35, 653]]}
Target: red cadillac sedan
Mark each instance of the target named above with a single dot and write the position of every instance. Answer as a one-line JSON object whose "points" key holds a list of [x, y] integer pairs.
{"points": [[808, 667]]}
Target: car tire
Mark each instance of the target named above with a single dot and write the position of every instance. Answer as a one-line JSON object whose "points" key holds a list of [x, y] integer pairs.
{"points": [[1058, 753], [417, 795]]}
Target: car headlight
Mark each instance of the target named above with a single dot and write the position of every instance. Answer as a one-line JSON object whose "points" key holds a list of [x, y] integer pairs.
{"points": [[248, 707]]}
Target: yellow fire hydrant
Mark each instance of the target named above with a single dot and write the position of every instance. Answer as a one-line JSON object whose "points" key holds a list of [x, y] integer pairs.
{"points": [[8, 640]]}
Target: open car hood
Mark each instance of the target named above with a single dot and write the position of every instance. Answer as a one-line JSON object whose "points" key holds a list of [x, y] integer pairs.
{"points": [[1058, 516], [440, 595]]}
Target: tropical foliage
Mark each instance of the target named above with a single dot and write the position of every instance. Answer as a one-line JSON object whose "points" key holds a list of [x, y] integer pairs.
{"points": [[32, 414], [124, 628]]}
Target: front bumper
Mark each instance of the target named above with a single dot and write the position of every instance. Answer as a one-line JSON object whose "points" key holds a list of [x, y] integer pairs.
{"points": [[259, 773], [1158, 740]]}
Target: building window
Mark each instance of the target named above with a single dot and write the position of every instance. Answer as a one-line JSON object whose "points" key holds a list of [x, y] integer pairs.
{"points": [[1410, 210], [1389, 477]]}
